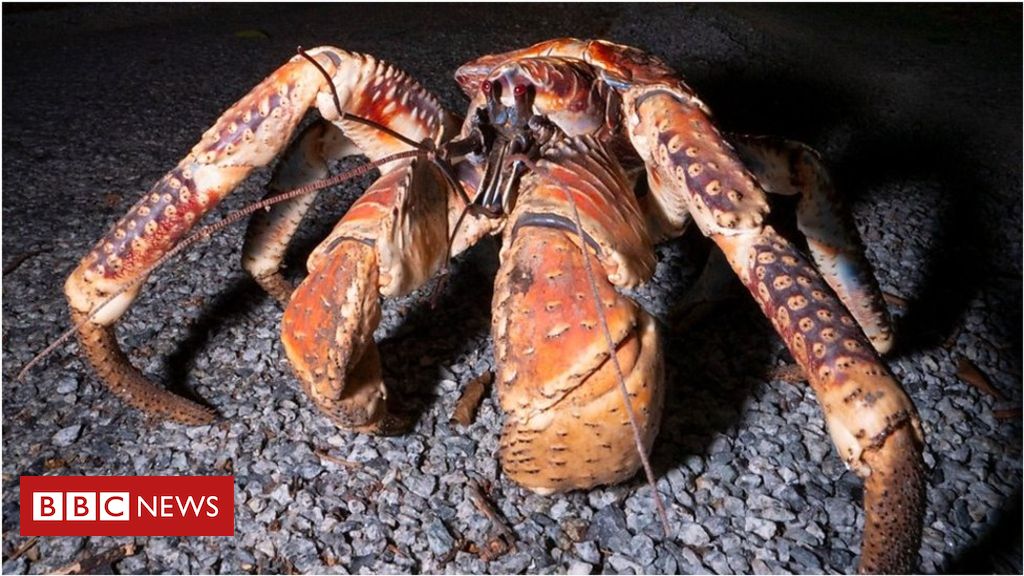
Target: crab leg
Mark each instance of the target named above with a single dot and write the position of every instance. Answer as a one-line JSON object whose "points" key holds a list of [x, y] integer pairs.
{"points": [[790, 168], [870, 418], [566, 424], [248, 135], [268, 234]]}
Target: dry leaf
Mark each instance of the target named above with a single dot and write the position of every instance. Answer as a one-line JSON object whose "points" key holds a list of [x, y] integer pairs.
{"points": [[969, 373], [1007, 413], [54, 463], [894, 300], [465, 408], [92, 563], [112, 200]]}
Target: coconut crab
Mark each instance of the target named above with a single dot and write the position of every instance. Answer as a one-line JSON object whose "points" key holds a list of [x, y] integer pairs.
{"points": [[558, 140]]}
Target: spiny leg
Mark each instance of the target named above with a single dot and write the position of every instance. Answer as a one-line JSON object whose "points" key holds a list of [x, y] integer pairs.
{"points": [[567, 425], [870, 418], [790, 168], [248, 135], [270, 231]]}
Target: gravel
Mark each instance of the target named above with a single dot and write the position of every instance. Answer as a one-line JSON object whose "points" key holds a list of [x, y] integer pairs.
{"points": [[100, 102]]}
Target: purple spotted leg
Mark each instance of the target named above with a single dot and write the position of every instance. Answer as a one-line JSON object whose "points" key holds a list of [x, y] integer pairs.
{"points": [[871, 419], [790, 168]]}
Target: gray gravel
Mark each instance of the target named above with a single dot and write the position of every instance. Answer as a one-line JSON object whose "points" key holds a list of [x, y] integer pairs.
{"points": [[917, 109]]}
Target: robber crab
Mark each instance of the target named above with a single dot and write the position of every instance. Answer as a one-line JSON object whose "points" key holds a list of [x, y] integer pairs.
{"points": [[582, 155]]}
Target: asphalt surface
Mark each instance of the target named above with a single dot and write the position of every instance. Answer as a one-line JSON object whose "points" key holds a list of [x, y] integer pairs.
{"points": [[916, 109]]}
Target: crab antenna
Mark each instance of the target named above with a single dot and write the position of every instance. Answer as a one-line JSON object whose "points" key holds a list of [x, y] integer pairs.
{"points": [[352, 117], [208, 231], [648, 471]]}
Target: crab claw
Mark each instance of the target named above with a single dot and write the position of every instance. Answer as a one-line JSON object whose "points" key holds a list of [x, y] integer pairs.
{"points": [[567, 427], [390, 242], [556, 307], [327, 331]]}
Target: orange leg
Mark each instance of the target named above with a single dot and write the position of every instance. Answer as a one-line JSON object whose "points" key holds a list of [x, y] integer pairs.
{"points": [[248, 135], [269, 231], [790, 168]]}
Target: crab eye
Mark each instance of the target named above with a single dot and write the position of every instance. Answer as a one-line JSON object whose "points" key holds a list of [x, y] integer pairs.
{"points": [[485, 87], [519, 90]]}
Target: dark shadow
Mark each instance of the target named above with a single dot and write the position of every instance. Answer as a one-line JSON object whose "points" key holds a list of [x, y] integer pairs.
{"points": [[460, 315], [712, 364], [960, 259], [239, 298], [998, 550]]}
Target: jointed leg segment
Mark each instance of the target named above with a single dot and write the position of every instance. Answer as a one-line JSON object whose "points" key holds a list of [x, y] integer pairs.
{"points": [[269, 232], [790, 168], [871, 420]]}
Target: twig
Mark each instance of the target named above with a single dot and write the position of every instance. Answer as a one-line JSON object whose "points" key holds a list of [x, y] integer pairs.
{"points": [[91, 563], [476, 495], [335, 460], [1007, 413], [494, 546], [24, 547], [21, 258]]}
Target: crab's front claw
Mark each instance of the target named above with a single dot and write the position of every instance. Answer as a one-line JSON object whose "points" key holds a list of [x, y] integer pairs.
{"points": [[568, 424], [390, 242]]}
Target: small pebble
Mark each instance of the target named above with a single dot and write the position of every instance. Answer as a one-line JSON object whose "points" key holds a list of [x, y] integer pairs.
{"points": [[67, 436]]}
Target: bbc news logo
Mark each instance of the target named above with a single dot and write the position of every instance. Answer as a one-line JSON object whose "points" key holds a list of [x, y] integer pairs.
{"points": [[127, 505], [81, 506]]}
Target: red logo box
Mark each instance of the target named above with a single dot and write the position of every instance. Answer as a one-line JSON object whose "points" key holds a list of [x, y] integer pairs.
{"points": [[127, 505]]}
